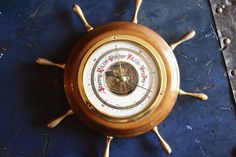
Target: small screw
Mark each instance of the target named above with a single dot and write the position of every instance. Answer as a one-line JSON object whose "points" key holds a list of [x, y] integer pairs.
{"points": [[227, 41], [90, 106], [219, 10]]}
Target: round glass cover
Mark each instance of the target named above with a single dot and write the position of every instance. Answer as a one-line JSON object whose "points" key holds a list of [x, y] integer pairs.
{"points": [[120, 79]]}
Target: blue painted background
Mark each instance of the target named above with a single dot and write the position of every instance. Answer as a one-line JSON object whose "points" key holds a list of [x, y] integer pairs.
{"points": [[31, 95]]}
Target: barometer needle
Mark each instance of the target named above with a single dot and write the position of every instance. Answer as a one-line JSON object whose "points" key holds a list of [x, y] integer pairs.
{"points": [[110, 73], [119, 61], [120, 67], [144, 88]]}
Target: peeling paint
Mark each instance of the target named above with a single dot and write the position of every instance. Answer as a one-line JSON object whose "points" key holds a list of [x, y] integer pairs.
{"points": [[189, 127]]}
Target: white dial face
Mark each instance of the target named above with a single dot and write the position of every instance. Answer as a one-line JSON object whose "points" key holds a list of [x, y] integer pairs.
{"points": [[120, 79]]}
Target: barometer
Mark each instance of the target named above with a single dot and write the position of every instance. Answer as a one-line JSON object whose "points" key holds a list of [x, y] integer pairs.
{"points": [[121, 79]]}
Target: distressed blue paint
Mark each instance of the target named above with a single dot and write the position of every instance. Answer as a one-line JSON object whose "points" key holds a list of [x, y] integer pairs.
{"points": [[30, 95]]}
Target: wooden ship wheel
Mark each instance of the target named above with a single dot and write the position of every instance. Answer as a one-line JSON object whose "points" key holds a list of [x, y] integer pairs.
{"points": [[121, 79]]}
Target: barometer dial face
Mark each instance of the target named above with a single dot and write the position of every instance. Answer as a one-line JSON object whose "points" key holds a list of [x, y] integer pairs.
{"points": [[121, 79]]}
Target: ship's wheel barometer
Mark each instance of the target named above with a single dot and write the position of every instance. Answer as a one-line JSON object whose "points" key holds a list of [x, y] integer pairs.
{"points": [[121, 79]]}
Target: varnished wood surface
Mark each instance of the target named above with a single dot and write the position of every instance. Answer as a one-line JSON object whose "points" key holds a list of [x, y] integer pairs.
{"points": [[121, 129]]}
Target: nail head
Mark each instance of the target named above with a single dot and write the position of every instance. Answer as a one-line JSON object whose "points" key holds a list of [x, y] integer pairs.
{"points": [[227, 41], [233, 72], [219, 10]]}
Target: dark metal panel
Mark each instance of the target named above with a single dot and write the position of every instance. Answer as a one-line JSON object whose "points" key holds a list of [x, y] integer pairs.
{"points": [[224, 12]]}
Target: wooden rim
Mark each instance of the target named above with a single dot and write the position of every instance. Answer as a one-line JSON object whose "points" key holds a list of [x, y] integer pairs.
{"points": [[79, 105]]}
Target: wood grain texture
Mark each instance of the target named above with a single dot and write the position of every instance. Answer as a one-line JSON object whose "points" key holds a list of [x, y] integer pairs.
{"points": [[121, 129]]}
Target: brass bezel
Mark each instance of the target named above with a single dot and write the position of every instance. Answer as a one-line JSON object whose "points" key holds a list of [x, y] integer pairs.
{"points": [[161, 70]]}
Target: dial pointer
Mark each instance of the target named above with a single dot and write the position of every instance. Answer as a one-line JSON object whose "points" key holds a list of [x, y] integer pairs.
{"points": [[144, 88]]}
